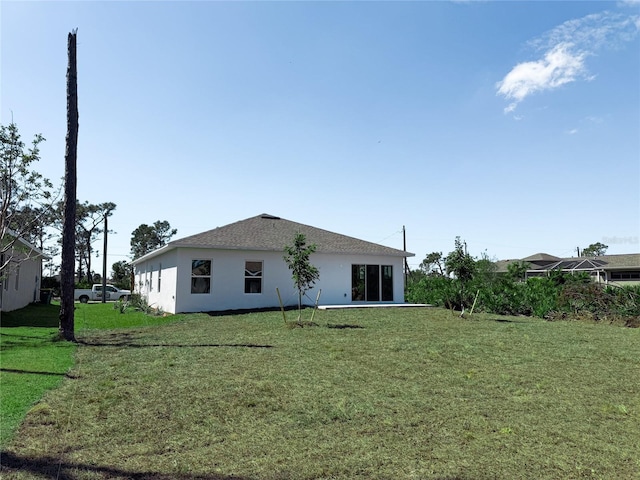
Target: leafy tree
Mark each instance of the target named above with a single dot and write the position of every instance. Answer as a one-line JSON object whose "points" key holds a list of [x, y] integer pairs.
{"points": [[147, 238], [33, 222], [433, 263], [36, 223], [25, 195], [438, 290], [595, 250], [121, 276], [89, 223], [304, 274], [485, 276], [517, 271], [462, 266]]}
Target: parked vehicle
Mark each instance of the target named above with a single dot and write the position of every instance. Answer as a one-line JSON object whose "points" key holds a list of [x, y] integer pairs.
{"points": [[83, 295]]}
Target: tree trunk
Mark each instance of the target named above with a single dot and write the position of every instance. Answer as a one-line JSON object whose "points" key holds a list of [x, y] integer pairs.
{"points": [[88, 260], [80, 271], [67, 324]]}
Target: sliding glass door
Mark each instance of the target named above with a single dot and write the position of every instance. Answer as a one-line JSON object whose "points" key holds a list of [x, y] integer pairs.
{"points": [[371, 283]]}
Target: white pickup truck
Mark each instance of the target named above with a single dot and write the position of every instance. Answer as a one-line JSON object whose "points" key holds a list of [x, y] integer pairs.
{"points": [[95, 293]]}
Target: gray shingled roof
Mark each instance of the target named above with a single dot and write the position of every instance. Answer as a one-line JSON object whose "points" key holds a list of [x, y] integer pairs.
{"points": [[537, 257], [269, 233], [605, 262], [624, 260]]}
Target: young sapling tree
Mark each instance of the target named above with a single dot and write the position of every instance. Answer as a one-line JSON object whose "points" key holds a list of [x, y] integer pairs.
{"points": [[304, 274]]}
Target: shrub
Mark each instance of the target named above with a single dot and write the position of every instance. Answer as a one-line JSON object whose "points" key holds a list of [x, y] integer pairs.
{"points": [[121, 306], [541, 296], [558, 295], [141, 304], [626, 299], [433, 289]]}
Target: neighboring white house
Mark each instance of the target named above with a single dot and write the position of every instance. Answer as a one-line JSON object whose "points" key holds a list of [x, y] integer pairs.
{"points": [[239, 266], [20, 280]]}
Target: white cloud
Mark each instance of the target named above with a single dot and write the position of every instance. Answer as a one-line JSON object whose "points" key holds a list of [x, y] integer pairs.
{"points": [[559, 66], [573, 131], [564, 51]]}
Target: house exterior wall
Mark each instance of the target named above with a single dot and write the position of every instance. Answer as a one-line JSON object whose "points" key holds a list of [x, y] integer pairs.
{"points": [[22, 283], [623, 283], [228, 280], [622, 277], [156, 280]]}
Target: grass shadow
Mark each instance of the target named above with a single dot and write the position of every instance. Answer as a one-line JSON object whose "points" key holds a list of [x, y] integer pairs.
{"points": [[343, 326], [17, 342], [49, 467], [29, 372], [170, 345], [36, 315], [244, 311], [22, 337]]}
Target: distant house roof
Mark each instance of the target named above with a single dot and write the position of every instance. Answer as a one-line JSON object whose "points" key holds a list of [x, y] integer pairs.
{"points": [[536, 257], [270, 233], [543, 261], [628, 260]]}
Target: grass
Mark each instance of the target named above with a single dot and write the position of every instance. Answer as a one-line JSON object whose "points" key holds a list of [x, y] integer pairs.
{"points": [[33, 360], [411, 393]]}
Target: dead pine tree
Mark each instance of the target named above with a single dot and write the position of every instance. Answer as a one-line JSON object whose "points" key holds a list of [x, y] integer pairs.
{"points": [[67, 283]]}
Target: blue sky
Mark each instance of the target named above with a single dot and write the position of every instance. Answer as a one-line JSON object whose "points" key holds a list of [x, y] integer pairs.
{"points": [[514, 125]]}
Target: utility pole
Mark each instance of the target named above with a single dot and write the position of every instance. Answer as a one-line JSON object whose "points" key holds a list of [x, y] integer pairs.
{"points": [[406, 264], [104, 260]]}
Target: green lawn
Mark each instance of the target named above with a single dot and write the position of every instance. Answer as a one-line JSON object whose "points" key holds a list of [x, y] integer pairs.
{"points": [[33, 360], [394, 393]]}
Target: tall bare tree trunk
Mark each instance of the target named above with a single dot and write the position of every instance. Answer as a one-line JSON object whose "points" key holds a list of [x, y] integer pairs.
{"points": [[67, 324]]}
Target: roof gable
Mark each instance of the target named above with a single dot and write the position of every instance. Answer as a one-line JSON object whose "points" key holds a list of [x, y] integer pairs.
{"points": [[270, 233]]}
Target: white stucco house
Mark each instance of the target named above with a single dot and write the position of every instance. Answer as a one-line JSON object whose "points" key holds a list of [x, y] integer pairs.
{"points": [[240, 265], [21, 275]]}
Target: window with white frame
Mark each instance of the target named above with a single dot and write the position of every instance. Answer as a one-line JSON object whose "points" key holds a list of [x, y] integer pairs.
{"points": [[253, 277], [159, 276], [200, 276]]}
